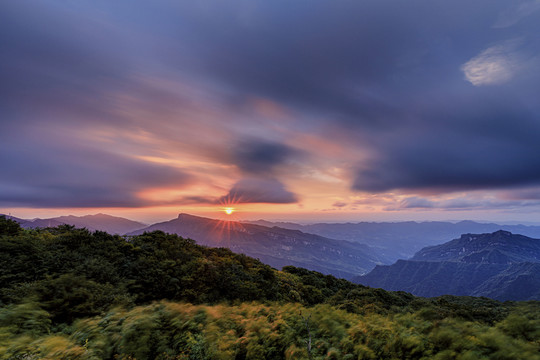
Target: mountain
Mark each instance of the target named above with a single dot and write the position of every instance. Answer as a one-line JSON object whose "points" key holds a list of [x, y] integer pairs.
{"points": [[18, 220], [36, 223], [401, 240], [276, 246], [103, 222], [500, 247], [500, 265]]}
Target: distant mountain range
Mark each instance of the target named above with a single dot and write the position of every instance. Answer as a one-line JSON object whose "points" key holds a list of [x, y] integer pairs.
{"points": [[103, 222], [401, 240], [276, 246], [500, 265]]}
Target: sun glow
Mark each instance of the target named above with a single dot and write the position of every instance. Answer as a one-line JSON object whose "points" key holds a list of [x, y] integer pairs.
{"points": [[228, 210]]}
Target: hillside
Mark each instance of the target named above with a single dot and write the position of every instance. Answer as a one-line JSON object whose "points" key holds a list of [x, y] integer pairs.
{"points": [[499, 265], [71, 294], [276, 246]]}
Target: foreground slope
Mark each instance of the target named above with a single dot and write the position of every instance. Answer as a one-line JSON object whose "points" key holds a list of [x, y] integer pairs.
{"points": [[272, 331], [499, 265], [276, 246], [68, 293]]}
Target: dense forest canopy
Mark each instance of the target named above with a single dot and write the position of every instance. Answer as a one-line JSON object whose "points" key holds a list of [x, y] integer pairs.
{"points": [[70, 293]]}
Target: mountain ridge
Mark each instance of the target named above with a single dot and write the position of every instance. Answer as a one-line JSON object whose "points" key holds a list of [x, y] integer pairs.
{"points": [[500, 265], [498, 247]]}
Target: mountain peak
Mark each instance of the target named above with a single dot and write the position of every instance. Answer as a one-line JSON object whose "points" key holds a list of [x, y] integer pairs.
{"points": [[502, 232], [498, 233], [102, 215], [186, 215], [190, 217]]}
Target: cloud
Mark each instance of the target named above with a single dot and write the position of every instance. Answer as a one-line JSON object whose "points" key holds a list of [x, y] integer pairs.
{"points": [[194, 200], [58, 63], [47, 176], [525, 194], [415, 202], [471, 201], [493, 66], [260, 156], [474, 146], [355, 63], [257, 190], [335, 59]]}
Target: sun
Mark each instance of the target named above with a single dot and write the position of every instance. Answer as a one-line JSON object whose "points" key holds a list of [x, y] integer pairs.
{"points": [[228, 210]]}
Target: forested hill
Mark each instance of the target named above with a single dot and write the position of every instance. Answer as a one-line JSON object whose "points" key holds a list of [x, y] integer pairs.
{"points": [[75, 272], [70, 293]]}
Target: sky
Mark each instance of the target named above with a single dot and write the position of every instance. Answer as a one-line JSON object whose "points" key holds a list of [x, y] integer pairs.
{"points": [[303, 110]]}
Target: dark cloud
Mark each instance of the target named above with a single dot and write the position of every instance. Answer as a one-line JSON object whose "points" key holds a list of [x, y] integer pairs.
{"points": [[474, 202], [261, 157], [357, 61], [257, 190], [415, 202], [389, 68], [194, 200], [56, 176], [486, 146], [392, 76], [57, 65], [339, 204]]}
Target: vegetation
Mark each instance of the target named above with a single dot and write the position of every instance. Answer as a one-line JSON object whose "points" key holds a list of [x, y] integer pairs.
{"points": [[68, 293]]}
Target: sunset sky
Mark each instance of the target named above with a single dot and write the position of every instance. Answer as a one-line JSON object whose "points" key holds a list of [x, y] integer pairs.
{"points": [[285, 110]]}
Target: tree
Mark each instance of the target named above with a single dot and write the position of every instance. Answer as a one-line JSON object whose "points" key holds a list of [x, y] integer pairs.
{"points": [[9, 227]]}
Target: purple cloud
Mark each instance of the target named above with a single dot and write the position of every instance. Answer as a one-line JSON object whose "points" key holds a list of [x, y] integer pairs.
{"points": [[258, 190]]}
